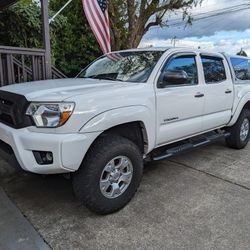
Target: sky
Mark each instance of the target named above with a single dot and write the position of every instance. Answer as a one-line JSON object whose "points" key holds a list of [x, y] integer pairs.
{"points": [[227, 32]]}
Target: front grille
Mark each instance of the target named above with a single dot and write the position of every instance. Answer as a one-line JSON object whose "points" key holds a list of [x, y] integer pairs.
{"points": [[12, 110], [6, 119]]}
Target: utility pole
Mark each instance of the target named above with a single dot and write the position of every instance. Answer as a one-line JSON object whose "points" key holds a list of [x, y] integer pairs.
{"points": [[174, 40], [46, 38]]}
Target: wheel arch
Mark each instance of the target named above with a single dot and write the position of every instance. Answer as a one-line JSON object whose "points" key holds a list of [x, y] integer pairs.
{"points": [[243, 104], [133, 131], [134, 123]]}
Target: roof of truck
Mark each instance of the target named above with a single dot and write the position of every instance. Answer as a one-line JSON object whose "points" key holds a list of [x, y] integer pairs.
{"points": [[163, 49], [167, 48], [237, 56], [144, 49]]}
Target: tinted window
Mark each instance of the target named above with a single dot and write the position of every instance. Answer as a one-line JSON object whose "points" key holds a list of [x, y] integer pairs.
{"points": [[186, 64], [241, 68], [214, 70]]}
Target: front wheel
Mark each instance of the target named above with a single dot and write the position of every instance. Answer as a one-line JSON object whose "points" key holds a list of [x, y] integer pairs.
{"points": [[109, 175], [240, 131]]}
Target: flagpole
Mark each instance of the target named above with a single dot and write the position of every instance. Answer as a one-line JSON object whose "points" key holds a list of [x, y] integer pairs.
{"points": [[59, 11]]}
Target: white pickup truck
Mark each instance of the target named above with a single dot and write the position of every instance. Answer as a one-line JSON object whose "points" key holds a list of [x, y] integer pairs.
{"points": [[124, 108]]}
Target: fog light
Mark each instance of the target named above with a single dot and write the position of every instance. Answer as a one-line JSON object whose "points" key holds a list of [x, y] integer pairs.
{"points": [[49, 157], [43, 157]]}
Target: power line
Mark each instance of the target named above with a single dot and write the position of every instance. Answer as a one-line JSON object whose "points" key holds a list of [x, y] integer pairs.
{"points": [[213, 13], [210, 16], [223, 9]]}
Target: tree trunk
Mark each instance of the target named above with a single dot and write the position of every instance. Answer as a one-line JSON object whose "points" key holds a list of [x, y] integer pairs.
{"points": [[136, 33], [115, 32], [115, 38], [134, 40]]}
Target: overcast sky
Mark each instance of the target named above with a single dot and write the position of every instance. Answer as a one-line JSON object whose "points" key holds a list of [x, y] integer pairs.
{"points": [[227, 32]]}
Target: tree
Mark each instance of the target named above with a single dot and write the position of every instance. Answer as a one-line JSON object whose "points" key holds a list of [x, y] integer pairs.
{"points": [[131, 19], [242, 53], [20, 25], [72, 41], [73, 44]]}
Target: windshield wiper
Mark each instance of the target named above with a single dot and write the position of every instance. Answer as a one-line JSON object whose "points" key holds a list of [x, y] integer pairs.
{"points": [[103, 77], [111, 79]]}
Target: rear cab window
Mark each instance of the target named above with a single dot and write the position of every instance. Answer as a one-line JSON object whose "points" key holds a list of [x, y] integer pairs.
{"points": [[214, 69], [241, 67]]}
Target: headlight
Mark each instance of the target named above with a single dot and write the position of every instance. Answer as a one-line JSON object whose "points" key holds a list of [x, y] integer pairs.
{"points": [[50, 114]]}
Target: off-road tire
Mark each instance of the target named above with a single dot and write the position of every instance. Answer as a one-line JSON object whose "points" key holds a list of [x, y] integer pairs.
{"points": [[234, 140], [86, 181]]}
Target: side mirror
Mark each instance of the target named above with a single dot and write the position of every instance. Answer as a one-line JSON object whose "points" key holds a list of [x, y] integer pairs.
{"points": [[173, 77]]}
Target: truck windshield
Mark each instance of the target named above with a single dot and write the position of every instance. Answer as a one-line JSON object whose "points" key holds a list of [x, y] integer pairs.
{"points": [[129, 66]]}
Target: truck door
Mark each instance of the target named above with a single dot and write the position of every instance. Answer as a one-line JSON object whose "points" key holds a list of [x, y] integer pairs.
{"points": [[218, 90], [179, 99]]}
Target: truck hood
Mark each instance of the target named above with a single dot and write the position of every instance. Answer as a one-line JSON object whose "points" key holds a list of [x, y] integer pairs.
{"points": [[61, 89]]}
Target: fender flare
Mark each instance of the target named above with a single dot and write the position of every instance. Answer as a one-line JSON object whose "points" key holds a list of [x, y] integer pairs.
{"points": [[114, 117], [245, 99]]}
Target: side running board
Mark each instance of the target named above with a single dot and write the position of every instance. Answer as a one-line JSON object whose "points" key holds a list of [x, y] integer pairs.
{"points": [[193, 143]]}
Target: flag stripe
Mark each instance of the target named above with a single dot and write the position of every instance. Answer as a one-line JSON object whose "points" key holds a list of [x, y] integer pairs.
{"points": [[94, 22], [95, 31], [101, 17], [108, 25], [98, 19], [114, 56]]}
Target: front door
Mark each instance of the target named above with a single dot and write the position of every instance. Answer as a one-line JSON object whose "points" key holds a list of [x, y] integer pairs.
{"points": [[180, 104]]}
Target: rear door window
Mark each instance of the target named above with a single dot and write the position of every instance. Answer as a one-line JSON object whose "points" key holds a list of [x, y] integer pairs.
{"points": [[214, 70], [241, 68]]}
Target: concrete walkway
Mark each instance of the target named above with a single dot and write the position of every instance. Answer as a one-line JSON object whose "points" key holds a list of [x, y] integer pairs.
{"points": [[199, 200], [15, 231]]}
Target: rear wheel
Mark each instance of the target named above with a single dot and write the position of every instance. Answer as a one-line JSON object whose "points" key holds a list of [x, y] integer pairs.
{"points": [[109, 175], [240, 131]]}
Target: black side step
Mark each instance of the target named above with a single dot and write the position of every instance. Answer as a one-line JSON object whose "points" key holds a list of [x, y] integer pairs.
{"points": [[191, 144]]}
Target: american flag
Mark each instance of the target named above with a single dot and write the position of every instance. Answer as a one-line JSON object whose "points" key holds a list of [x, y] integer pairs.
{"points": [[96, 12]]}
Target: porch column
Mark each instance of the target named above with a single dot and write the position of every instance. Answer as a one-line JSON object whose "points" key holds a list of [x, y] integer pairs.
{"points": [[46, 38]]}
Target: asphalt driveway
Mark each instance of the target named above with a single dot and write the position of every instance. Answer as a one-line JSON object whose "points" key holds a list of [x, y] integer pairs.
{"points": [[200, 200]]}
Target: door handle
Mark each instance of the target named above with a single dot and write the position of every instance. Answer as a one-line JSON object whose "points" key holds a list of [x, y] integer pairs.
{"points": [[199, 95], [228, 91]]}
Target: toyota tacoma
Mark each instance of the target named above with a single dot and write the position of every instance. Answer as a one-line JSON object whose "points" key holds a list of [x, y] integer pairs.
{"points": [[125, 108]]}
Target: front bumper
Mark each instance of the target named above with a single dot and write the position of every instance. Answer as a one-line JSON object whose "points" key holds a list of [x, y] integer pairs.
{"points": [[68, 149]]}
